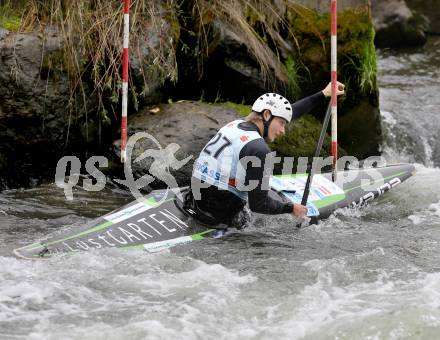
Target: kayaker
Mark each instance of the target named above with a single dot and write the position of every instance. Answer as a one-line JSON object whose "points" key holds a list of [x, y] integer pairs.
{"points": [[230, 170]]}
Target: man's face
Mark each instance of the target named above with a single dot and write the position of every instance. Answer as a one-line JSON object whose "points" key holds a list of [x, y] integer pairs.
{"points": [[277, 128]]}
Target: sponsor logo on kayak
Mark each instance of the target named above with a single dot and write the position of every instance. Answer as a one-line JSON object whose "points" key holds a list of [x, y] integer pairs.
{"points": [[127, 213], [376, 193], [126, 231], [162, 245]]}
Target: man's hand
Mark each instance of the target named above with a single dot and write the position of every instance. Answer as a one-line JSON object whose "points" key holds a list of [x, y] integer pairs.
{"points": [[328, 89], [299, 210]]}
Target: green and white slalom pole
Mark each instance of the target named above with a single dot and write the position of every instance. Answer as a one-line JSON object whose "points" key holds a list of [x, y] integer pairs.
{"points": [[334, 78], [125, 81]]}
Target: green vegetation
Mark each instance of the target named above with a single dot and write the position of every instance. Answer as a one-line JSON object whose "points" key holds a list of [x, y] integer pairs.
{"points": [[92, 46], [290, 43], [364, 67], [356, 51], [9, 17], [256, 23], [54, 65], [242, 110], [301, 139], [11, 23], [293, 78]]}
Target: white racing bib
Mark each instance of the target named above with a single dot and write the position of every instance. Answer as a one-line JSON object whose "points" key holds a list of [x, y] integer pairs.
{"points": [[218, 163]]}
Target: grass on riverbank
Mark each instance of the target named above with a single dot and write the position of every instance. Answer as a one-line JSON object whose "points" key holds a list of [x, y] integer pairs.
{"points": [[92, 41], [356, 51], [289, 43], [9, 17], [242, 109]]}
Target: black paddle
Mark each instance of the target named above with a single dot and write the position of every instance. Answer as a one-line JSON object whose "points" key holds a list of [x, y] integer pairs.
{"points": [[317, 152]]}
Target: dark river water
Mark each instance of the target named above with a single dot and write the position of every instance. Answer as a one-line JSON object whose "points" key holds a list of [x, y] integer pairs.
{"points": [[372, 273]]}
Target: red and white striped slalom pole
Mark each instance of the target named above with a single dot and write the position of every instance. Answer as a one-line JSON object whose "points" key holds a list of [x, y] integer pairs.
{"points": [[334, 77], [125, 81]]}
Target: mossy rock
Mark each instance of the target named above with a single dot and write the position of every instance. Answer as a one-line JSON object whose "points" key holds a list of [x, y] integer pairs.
{"points": [[357, 69], [360, 130], [356, 52], [301, 139], [54, 65], [10, 21], [242, 109]]}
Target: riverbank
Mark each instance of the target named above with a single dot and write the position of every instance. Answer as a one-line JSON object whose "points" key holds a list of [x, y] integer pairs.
{"points": [[60, 73]]}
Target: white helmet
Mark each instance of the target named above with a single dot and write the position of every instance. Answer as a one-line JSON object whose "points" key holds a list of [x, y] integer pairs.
{"points": [[277, 104]]}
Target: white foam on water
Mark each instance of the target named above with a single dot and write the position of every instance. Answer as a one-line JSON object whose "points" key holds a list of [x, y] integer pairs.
{"points": [[388, 117], [429, 215], [385, 308], [434, 208], [351, 211], [431, 290], [112, 294], [416, 219]]}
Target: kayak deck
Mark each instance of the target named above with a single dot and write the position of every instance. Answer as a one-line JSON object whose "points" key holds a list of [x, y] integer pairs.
{"points": [[156, 222]]}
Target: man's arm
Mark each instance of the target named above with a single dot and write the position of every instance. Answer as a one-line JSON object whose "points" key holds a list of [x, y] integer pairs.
{"points": [[306, 104], [259, 199]]}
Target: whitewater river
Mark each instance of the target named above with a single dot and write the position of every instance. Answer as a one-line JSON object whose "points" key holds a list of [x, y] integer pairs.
{"points": [[372, 273]]}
